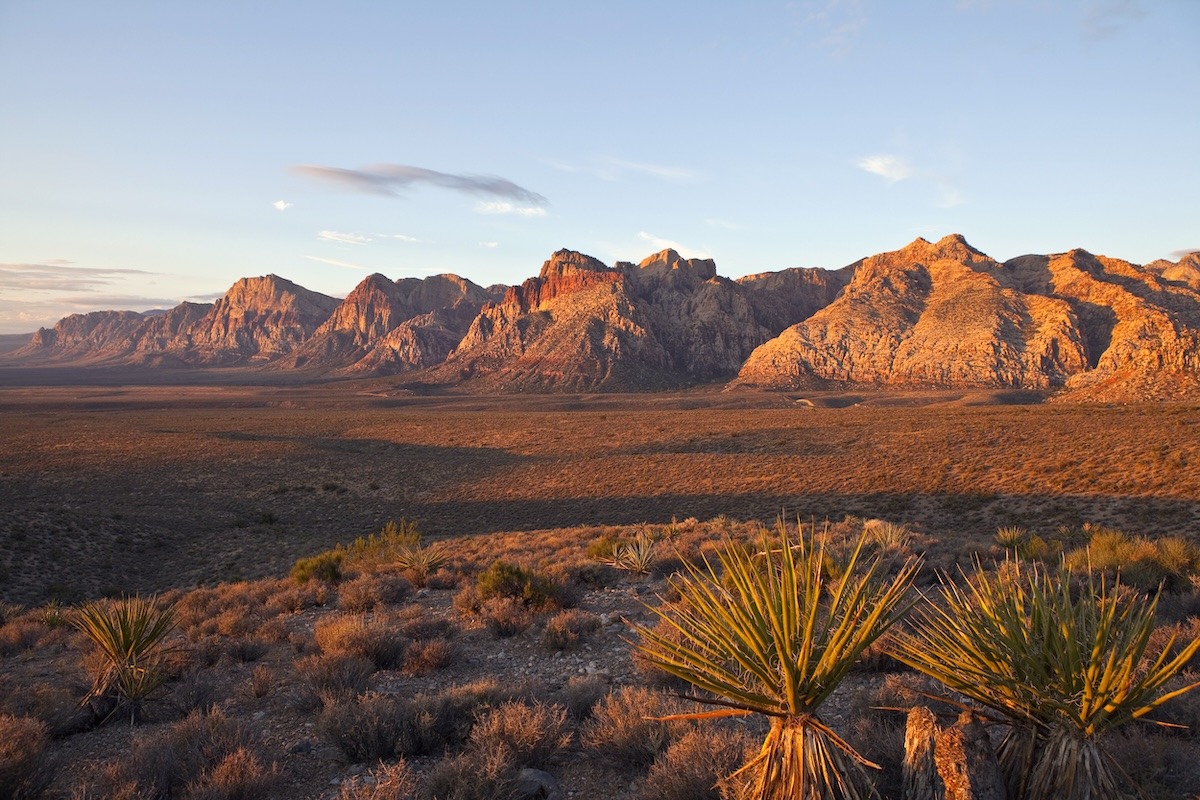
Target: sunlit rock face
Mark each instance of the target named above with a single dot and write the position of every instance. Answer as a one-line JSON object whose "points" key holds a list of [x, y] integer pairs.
{"points": [[945, 315]]}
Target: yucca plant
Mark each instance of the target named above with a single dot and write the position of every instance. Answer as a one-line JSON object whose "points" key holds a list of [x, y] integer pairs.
{"points": [[634, 556], [131, 636], [420, 561], [1062, 660], [771, 633]]}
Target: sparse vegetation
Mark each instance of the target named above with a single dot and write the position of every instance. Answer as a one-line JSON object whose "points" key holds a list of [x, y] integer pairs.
{"points": [[1062, 661], [773, 633], [130, 636]]}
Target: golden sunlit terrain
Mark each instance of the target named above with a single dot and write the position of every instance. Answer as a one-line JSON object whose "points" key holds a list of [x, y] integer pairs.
{"points": [[128, 489], [482, 648]]}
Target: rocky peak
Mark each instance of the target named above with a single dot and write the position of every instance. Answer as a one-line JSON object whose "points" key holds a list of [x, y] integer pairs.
{"points": [[668, 260], [566, 272], [260, 318]]}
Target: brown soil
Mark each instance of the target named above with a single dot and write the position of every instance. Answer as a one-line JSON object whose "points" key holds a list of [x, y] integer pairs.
{"points": [[145, 488]]}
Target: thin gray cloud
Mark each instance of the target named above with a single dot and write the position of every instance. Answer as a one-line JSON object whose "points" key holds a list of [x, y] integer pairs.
{"points": [[1178, 254], [390, 179], [59, 276], [1107, 18]]}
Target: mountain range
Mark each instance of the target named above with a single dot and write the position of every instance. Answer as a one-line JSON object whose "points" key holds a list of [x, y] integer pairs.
{"points": [[931, 314]]}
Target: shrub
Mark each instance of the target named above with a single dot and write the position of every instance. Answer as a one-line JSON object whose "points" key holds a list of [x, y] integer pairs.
{"points": [[368, 727], [627, 728], [1062, 664], [424, 657], [22, 749], [533, 735], [186, 757], [395, 781], [474, 775], [890, 537], [774, 633], [130, 635], [371, 590], [582, 693], [334, 677], [349, 635], [239, 775], [565, 629], [20, 635], [694, 765], [506, 616], [261, 681], [420, 562], [533, 589], [381, 548], [325, 567]]}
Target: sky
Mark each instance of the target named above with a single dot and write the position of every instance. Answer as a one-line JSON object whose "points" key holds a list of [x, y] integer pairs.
{"points": [[155, 152]]}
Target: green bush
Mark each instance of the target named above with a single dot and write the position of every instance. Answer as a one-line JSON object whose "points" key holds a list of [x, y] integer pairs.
{"points": [[503, 579], [326, 567]]}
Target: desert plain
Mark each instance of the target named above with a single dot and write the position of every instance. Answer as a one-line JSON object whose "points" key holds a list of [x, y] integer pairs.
{"points": [[111, 489]]}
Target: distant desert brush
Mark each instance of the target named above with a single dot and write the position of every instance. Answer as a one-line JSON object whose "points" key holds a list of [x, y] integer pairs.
{"points": [[131, 636], [1063, 659], [771, 632]]}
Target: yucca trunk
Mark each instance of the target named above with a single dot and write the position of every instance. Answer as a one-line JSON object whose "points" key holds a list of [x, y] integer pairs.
{"points": [[802, 759], [1058, 765]]}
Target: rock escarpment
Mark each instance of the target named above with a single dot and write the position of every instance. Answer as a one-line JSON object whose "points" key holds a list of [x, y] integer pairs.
{"points": [[363, 334], [945, 315], [932, 314], [581, 325]]}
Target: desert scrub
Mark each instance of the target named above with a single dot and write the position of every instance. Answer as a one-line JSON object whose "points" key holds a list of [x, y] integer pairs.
{"points": [[394, 781], [533, 589], [376, 640], [130, 636], [1063, 660], [22, 748], [630, 727], [635, 555], [1141, 563], [693, 767], [332, 678], [771, 632], [368, 727], [203, 756], [534, 734], [371, 590], [565, 629], [325, 567]]}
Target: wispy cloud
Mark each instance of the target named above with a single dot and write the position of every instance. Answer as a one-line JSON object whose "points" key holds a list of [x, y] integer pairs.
{"points": [[489, 245], [60, 276], [397, 236], [333, 262], [1107, 18], [839, 22], [612, 169], [389, 179], [281, 205], [659, 243], [893, 168], [1178, 254], [657, 170], [505, 207], [724, 224], [343, 238]]}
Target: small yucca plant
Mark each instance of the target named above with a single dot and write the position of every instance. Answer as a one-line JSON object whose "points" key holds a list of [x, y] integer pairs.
{"points": [[634, 556], [773, 633], [131, 635], [420, 559], [1061, 661]]}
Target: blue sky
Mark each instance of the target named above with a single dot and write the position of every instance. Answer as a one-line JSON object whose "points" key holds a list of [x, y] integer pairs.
{"points": [[152, 152]]}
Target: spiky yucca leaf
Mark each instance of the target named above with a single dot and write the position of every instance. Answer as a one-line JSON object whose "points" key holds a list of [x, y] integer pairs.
{"points": [[1062, 665], [771, 632], [131, 634], [634, 556]]}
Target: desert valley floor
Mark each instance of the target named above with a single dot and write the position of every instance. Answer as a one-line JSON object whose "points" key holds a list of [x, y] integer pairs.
{"points": [[119, 489]]}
